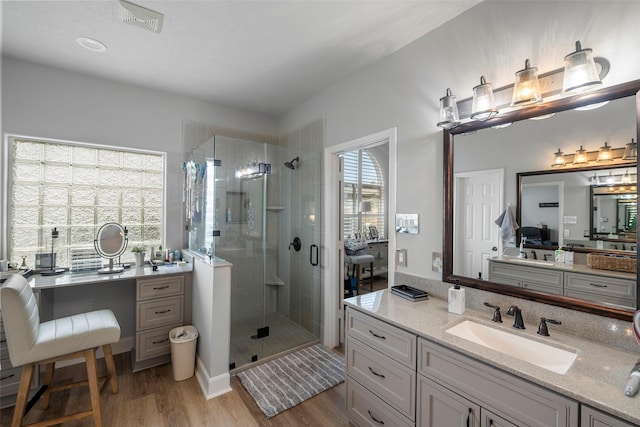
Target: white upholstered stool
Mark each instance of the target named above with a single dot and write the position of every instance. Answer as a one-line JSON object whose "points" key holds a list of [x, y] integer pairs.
{"points": [[358, 261], [32, 343]]}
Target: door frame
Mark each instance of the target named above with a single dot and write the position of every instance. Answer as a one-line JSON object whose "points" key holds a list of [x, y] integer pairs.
{"points": [[334, 256]]}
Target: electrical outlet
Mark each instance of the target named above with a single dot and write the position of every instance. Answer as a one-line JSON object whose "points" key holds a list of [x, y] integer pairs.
{"points": [[567, 232], [436, 262]]}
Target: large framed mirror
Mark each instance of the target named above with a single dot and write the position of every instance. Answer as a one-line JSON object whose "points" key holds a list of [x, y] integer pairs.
{"points": [[507, 160]]}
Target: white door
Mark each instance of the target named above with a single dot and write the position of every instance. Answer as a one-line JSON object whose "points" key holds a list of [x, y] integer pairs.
{"points": [[478, 203]]}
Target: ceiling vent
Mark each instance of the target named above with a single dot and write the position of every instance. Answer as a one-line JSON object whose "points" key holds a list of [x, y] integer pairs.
{"points": [[140, 16]]}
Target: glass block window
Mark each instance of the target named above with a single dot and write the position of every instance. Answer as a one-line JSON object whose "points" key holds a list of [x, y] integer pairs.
{"points": [[77, 188], [363, 194]]}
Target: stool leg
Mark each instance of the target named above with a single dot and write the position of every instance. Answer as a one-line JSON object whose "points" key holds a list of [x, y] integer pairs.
{"points": [[111, 368], [357, 271], [92, 377], [48, 381], [23, 394], [371, 277]]}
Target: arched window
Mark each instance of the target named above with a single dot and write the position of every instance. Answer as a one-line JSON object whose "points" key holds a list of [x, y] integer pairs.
{"points": [[363, 194]]}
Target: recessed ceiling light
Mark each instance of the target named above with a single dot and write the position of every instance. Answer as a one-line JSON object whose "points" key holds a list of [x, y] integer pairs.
{"points": [[91, 44]]}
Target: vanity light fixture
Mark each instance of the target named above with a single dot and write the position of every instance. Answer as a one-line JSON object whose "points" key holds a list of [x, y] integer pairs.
{"points": [[526, 89], [626, 178], [558, 160], [580, 157], [484, 105], [605, 154], [449, 117], [610, 179], [630, 151], [580, 73]]}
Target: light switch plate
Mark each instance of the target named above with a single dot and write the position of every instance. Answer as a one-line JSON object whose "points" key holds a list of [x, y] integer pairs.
{"points": [[436, 262], [401, 257]]}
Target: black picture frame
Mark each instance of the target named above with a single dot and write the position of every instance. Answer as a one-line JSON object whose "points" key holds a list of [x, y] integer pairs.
{"points": [[373, 232]]}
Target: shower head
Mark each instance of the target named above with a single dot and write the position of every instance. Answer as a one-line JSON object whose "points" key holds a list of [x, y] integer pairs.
{"points": [[290, 164]]}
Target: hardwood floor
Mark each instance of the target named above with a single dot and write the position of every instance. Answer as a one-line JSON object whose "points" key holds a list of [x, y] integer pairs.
{"points": [[152, 398]]}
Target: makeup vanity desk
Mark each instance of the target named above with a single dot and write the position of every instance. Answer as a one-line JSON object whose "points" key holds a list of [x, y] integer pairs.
{"points": [[147, 304]]}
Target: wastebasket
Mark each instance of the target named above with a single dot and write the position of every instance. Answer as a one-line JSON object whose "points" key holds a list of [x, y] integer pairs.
{"points": [[183, 351]]}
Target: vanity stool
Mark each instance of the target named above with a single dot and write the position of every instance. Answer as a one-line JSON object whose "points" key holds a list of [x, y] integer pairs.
{"points": [[32, 343], [358, 261]]}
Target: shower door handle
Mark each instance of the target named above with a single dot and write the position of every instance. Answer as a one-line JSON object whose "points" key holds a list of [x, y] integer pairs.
{"points": [[313, 260]]}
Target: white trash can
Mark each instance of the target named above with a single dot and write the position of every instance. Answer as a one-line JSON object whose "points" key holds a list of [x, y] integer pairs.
{"points": [[183, 351]]}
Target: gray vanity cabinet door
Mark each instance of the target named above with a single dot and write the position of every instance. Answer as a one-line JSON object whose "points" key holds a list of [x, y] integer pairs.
{"points": [[593, 418], [439, 406]]}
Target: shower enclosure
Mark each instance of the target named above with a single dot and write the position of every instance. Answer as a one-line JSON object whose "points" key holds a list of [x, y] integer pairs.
{"points": [[250, 204]]}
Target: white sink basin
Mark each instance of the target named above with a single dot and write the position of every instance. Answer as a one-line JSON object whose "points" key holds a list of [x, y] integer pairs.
{"points": [[529, 261], [543, 355]]}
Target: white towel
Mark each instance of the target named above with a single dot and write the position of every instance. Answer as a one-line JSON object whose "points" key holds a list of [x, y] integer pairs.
{"points": [[507, 223]]}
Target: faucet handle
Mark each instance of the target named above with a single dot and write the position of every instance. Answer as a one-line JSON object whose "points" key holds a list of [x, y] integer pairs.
{"points": [[497, 317], [542, 328]]}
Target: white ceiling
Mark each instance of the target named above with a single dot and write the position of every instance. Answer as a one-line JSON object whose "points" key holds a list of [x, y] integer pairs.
{"points": [[261, 56]]}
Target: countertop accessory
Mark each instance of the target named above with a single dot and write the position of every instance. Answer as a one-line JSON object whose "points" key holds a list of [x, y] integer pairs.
{"points": [[456, 299], [409, 293], [542, 328], [497, 317]]}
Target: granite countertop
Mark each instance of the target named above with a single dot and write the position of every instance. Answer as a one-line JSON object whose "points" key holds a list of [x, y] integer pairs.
{"points": [[74, 279], [575, 267], [596, 378]]}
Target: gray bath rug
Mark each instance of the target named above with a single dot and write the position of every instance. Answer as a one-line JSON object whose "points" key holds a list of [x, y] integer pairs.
{"points": [[285, 382]]}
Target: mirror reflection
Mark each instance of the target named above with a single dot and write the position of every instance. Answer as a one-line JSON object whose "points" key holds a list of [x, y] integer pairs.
{"points": [[555, 206]]}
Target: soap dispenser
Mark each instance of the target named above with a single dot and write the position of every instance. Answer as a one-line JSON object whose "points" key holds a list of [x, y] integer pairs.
{"points": [[456, 299]]}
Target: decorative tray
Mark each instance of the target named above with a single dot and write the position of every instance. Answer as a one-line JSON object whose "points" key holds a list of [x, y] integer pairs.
{"points": [[407, 292]]}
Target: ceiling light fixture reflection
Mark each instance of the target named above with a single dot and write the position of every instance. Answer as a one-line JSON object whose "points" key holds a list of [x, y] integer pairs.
{"points": [[91, 44]]}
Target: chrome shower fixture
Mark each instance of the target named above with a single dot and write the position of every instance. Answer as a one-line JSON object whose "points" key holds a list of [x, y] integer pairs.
{"points": [[290, 164]]}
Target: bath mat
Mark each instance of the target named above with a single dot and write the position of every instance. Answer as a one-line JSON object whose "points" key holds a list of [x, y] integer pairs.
{"points": [[287, 381]]}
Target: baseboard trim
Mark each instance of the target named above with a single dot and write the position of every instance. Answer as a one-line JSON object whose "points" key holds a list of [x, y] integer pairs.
{"points": [[212, 387]]}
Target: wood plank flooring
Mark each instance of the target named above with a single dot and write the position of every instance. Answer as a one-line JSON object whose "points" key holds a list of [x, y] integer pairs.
{"points": [[152, 398]]}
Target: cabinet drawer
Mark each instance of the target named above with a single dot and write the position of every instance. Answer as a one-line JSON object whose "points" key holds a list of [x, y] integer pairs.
{"points": [[601, 285], [153, 343], [394, 342], [159, 312], [159, 287], [366, 409], [9, 379], [504, 394], [439, 406], [519, 274], [389, 380]]}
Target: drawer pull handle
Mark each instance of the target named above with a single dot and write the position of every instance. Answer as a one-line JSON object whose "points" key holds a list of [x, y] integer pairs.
{"points": [[598, 285], [376, 335], [375, 373], [7, 377], [160, 287], [162, 312], [161, 341], [469, 417], [374, 418]]}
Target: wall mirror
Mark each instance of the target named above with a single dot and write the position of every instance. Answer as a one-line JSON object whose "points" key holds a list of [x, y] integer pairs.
{"points": [[509, 154]]}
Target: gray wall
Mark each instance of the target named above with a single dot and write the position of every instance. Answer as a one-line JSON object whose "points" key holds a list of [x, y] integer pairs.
{"points": [[47, 102], [492, 39]]}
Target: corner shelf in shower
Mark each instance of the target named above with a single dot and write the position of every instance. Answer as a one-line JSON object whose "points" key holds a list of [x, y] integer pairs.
{"points": [[275, 208], [274, 281]]}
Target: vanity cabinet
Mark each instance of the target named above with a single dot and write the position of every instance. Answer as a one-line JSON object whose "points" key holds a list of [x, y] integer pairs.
{"points": [[592, 287], [532, 278], [502, 398], [591, 417], [159, 308], [381, 372]]}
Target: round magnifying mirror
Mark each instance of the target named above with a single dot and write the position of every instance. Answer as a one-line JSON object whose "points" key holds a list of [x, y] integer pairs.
{"points": [[111, 242]]}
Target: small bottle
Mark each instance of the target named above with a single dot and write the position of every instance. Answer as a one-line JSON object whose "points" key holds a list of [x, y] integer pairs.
{"points": [[229, 217], [559, 255], [456, 299], [568, 256]]}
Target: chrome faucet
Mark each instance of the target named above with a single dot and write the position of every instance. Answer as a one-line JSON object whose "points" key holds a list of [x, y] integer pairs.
{"points": [[497, 317], [542, 328], [515, 311]]}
